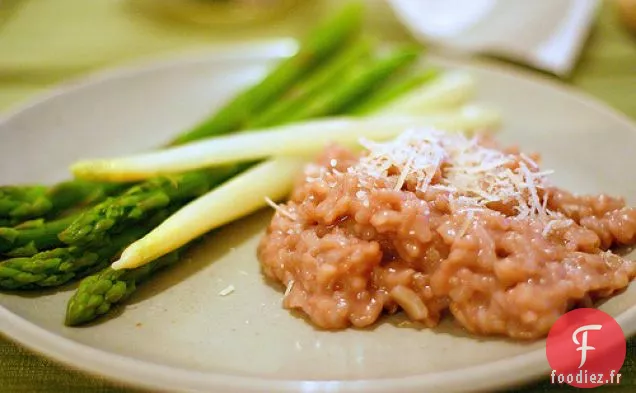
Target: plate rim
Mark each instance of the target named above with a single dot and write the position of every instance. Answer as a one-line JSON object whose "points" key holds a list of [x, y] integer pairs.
{"points": [[144, 374]]}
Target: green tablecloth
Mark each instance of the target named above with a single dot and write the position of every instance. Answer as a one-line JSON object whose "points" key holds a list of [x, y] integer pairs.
{"points": [[43, 42]]}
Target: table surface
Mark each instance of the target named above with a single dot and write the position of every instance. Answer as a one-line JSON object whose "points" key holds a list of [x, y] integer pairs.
{"points": [[39, 51]]}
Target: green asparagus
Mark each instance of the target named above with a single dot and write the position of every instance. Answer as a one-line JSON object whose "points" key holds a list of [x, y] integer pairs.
{"points": [[393, 90], [94, 226], [139, 202], [327, 76], [98, 293], [33, 236], [61, 265], [79, 193], [354, 85], [22, 203], [319, 45]]}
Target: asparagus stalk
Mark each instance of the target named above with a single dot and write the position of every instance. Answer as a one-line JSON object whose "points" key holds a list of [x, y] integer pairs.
{"points": [[323, 79], [22, 203], [242, 195], [393, 91], [140, 202], [80, 193], [358, 84], [448, 92], [61, 265], [32, 237], [319, 45], [304, 139], [97, 294], [94, 224]]}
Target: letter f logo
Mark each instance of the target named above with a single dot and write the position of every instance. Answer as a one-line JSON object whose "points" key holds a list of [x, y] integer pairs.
{"points": [[583, 344]]}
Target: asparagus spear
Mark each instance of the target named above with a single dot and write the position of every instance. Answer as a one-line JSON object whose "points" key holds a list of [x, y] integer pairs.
{"points": [[236, 198], [59, 266], [320, 44], [139, 202], [22, 203], [355, 85], [293, 140], [32, 237], [449, 91], [329, 100], [98, 293], [94, 224], [79, 193], [393, 90], [327, 76]]}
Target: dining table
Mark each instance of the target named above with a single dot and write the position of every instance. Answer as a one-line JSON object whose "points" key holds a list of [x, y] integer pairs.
{"points": [[48, 43]]}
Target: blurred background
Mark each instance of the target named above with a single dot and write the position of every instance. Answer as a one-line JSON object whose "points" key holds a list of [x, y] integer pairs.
{"points": [[47, 42], [44, 42]]}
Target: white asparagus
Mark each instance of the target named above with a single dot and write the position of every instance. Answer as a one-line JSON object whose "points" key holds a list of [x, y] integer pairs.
{"points": [[299, 140], [450, 91], [243, 195]]}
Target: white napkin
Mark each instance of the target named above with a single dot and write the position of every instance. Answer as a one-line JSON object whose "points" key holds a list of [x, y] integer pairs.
{"points": [[545, 34]]}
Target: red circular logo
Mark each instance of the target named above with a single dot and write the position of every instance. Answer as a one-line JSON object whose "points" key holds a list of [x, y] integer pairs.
{"points": [[585, 349]]}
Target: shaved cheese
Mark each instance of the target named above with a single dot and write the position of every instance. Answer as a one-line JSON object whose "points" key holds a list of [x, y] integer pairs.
{"points": [[281, 210], [414, 150], [472, 174], [404, 174], [467, 221], [556, 224], [289, 288]]}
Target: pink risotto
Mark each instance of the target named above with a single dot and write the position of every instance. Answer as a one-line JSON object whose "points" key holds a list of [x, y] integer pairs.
{"points": [[435, 224]]}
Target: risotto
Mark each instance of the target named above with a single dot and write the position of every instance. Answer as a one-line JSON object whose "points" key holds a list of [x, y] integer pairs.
{"points": [[434, 223]]}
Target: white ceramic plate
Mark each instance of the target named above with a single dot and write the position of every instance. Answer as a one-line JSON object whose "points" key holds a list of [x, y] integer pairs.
{"points": [[178, 333]]}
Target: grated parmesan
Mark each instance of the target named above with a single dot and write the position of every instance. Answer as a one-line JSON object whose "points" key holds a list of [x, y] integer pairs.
{"points": [[472, 174], [289, 288], [467, 221], [280, 209]]}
